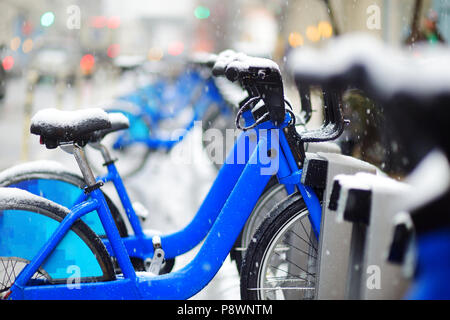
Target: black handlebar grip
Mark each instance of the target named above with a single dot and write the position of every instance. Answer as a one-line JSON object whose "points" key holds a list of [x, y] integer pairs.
{"points": [[218, 69], [232, 73]]}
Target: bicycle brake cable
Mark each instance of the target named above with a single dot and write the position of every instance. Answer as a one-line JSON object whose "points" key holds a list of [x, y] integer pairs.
{"points": [[245, 107]]}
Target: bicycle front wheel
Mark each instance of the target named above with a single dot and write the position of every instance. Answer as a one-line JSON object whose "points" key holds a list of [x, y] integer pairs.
{"points": [[281, 260]]}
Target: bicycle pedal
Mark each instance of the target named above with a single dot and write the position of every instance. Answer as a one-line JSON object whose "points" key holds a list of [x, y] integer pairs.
{"points": [[155, 264]]}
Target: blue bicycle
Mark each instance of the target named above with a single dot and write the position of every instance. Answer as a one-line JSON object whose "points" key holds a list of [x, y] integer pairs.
{"points": [[54, 182], [46, 244]]}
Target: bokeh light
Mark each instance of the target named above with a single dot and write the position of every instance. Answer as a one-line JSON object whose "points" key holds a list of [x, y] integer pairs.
{"points": [[87, 63], [113, 22], [325, 29], [313, 34], [113, 50], [15, 43], [202, 12], [175, 48], [27, 45], [8, 63], [98, 22], [155, 54], [295, 39], [27, 28], [47, 19]]}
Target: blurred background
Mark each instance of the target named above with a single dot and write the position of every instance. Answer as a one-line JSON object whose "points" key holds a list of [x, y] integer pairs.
{"points": [[65, 53], [72, 53]]}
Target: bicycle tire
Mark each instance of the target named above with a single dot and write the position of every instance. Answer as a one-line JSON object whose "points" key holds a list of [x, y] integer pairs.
{"points": [[268, 236], [273, 194]]}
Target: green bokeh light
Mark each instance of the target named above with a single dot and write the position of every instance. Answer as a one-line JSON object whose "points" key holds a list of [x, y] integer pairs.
{"points": [[47, 19], [201, 12]]}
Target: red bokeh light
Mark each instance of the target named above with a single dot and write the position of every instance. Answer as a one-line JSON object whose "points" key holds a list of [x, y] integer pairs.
{"points": [[87, 63], [98, 22], [175, 48], [27, 28], [8, 63], [113, 22], [113, 50]]}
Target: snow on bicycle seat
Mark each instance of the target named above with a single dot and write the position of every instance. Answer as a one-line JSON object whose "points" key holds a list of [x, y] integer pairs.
{"points": [[55, 126], [382, 71]]}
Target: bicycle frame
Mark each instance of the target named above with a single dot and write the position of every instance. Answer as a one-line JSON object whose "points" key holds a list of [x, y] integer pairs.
{"points": [[223, 205]]}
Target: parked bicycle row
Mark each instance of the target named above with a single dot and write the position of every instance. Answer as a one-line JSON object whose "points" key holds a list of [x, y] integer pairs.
{"points": [[300, 219]]}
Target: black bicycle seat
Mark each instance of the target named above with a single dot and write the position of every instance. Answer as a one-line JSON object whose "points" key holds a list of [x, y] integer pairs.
{"points": [[118, 122], [56, 127]]}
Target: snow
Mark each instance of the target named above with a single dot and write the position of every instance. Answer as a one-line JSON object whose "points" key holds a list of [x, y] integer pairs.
{"points": [[422, 73], [428, 181], [223, 59], [33, 167], [56, 118], [243, 63], [369, 182], [13, 198], [129, 61], [203, 58], [118, 119]]}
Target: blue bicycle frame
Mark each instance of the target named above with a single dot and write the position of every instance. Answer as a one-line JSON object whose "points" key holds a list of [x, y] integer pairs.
{"points": [[228, 205]]}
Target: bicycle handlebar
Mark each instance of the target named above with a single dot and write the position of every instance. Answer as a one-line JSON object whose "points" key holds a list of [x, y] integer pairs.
{"points": [[222, 61], [259, 77]]}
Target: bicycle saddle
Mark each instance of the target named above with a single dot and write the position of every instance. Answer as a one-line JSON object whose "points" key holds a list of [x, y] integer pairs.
{"points": [[56, 127], [118, 122]]}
